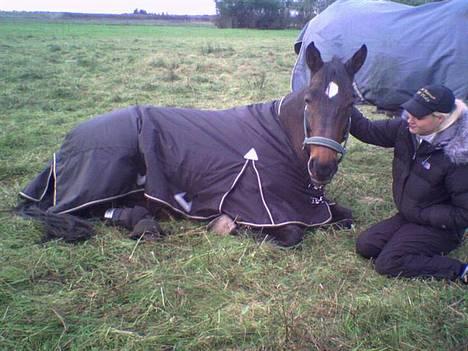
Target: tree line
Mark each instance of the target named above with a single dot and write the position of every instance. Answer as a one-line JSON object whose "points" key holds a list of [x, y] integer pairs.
{"points": [[274, 14]]}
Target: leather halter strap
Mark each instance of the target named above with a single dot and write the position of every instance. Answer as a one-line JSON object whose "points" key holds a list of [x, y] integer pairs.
{"points": [[327, 142]]}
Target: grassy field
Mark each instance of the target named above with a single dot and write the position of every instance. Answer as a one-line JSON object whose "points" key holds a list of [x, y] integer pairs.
{"points": [[194, 290]]}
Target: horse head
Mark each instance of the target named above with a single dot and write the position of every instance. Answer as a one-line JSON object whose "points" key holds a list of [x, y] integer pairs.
{"points": [[328, 106]]}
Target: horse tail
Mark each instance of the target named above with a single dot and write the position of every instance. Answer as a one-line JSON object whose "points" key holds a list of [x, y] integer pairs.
{"points": [[66, 227]]}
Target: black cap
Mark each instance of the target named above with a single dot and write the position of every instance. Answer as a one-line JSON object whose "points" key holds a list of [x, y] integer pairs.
{"points": [[431, 98]]}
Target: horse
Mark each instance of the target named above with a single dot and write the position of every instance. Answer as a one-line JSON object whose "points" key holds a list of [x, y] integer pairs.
{"points": [[263, 166], [393, 71]]}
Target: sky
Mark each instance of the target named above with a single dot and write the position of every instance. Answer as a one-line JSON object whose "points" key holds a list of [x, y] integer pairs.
{"points": [[175, 7]]}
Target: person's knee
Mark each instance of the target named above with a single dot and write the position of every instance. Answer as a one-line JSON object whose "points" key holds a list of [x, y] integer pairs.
{"points": [[366, 248]]}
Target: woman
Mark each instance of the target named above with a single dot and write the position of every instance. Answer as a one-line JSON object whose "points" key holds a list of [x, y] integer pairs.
{"points": [[430, 187]]}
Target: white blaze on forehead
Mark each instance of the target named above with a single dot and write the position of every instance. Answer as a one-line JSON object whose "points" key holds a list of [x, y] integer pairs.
{"points": [[332, 89]]}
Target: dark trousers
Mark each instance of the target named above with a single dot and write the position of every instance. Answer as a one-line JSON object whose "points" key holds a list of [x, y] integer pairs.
{"points": [[401, 248]]}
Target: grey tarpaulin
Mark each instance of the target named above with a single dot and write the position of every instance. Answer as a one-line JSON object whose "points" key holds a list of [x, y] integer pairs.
{"points": [[408, 47], [198, 163]]}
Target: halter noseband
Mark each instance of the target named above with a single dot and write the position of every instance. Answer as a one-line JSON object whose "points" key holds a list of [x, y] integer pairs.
{"points": [[327, 142]]}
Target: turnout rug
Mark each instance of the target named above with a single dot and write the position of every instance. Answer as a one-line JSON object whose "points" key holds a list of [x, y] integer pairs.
{"points": [[408, 46], [199, 163]]}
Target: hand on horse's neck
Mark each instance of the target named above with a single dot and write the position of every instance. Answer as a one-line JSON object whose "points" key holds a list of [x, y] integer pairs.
{"points": [[292, 118]]}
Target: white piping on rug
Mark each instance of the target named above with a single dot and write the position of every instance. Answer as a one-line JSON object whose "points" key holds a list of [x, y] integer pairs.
{"points": [[249, 224], [279, 105], [53, 171], [177, 210], [43, 193], [29, 197], [307, 225], [357, 91], [101, 200], [232, 186], [261, 193], [55, 181]]}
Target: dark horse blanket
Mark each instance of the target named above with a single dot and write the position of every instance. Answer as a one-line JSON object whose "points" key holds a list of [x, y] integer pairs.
{"points": [[409, 47], [198, 163]]}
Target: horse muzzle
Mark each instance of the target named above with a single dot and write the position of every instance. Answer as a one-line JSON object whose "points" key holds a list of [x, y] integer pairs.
{"points": [[321, 173]]}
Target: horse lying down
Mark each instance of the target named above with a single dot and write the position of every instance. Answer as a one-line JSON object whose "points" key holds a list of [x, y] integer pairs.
{"points": [[263, 166]]}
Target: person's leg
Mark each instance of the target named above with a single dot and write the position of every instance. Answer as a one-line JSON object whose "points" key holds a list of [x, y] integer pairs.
{"points": [[370, 243], [418, 251]]}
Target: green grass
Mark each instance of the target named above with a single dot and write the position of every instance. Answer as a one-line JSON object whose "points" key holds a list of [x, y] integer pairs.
{"points": [[194, 290]]}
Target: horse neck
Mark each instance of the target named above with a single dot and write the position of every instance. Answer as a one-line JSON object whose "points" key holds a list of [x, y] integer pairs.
{"points": [[291, 117]]}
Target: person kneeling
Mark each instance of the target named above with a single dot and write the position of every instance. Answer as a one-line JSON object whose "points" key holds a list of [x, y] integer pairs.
{"points": [[430, 187]]}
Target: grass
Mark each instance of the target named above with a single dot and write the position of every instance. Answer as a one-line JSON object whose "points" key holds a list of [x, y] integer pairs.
{"points": [[194, 290]]}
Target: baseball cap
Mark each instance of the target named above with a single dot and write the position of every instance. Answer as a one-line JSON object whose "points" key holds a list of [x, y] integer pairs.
{"points": [[428, 99]]}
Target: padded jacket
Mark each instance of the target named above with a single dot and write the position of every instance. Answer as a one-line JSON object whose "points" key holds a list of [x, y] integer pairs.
{"points": [[430, 180]]}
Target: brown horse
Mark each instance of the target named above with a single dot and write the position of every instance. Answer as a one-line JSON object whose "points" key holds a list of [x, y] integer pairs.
{"points": [[262, 166], [324, 107]]}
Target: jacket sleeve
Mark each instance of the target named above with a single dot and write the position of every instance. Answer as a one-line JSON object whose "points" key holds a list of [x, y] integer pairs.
{"points": [[380, 133], [453, 215]]}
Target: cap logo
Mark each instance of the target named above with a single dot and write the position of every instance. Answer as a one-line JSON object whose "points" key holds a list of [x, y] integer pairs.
{"points": [[426, 95]]}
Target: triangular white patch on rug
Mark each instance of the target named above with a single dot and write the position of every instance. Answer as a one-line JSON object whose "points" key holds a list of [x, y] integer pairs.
{"points": [[251, 155]]}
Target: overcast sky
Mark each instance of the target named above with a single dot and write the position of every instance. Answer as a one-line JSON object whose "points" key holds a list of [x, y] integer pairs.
{"points": [[179, 7]]}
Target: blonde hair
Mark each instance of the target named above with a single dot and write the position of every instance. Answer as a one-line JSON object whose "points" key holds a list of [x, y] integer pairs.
{"points": [[441, 114], [449, 118]]}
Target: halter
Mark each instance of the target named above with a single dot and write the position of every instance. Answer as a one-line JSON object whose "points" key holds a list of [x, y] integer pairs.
{"points": [[322, 141], [327, 142]]}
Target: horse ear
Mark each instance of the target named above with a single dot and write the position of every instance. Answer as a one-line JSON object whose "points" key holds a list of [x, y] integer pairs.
{"points": [[355, 63], [313, 58]]}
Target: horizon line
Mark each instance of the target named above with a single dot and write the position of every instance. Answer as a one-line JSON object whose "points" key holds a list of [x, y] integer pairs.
{"points": [[107, 13]]}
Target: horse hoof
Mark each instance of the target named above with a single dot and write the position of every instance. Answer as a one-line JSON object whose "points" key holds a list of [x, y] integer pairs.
{"points": [[222, 225], [147, 229], [340, 213], [343, 224]]}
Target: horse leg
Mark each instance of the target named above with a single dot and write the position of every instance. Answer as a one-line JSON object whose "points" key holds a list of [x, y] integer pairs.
{"points": [[222, 225], [342, 217], [137, 219], [287, 236]]}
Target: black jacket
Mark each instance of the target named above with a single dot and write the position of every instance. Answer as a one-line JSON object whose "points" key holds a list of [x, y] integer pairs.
{"points": [[430, 180]]}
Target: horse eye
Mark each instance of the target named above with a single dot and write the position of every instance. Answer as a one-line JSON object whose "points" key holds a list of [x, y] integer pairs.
{"points": [[307, 98]]}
